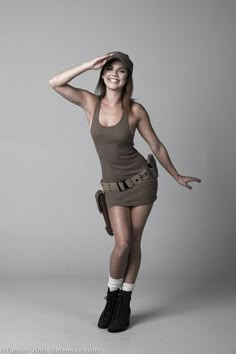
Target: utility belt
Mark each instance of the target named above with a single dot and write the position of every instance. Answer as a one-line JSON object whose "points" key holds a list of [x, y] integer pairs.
{"points": [[150, 170]]}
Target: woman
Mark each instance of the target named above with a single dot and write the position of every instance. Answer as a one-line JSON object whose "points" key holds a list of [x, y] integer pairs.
{"points": [[113, 117]]}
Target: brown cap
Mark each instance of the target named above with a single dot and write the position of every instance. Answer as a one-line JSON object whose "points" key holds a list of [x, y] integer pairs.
{"points": [[124, 58]]}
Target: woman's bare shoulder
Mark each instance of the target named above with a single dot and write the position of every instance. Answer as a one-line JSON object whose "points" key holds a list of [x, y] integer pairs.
{"points": [[137, 108]]}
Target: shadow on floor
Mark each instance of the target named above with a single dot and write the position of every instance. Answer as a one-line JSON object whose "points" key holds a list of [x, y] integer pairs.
{"points": [[181, 299]]}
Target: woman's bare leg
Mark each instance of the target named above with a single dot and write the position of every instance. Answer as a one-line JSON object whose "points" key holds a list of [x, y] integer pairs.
{"points": [[120, 218], [139, 215]]}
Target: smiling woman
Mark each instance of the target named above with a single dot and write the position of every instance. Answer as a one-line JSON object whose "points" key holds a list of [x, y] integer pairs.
{"points": [[119, 68], [129, 181]]}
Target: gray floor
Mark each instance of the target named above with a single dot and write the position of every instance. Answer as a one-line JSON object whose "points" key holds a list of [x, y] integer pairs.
{"points": [[60, 315]]}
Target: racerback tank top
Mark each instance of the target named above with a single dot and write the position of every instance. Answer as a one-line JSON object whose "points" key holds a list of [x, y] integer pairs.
{"points": [[115, 147]]}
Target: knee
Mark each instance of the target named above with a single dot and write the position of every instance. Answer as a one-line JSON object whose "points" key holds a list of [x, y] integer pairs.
{"points": [[122, 249]]}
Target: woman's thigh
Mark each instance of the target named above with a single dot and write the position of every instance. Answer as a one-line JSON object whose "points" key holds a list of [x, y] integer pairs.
{"points": [[120, 218], [139, 215]]}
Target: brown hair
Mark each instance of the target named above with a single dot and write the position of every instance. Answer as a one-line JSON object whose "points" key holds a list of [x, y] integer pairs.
{"points": [[126, 98]]}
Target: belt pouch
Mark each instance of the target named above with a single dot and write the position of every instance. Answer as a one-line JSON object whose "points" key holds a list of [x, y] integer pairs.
{"points": [[102, 207]]}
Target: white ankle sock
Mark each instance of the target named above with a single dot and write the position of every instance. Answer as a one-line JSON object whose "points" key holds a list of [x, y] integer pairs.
{"points": [[114, 284], [128, 286]]}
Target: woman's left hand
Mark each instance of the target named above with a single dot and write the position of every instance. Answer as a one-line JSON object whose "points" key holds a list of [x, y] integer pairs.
{"points": [[184, 180]]}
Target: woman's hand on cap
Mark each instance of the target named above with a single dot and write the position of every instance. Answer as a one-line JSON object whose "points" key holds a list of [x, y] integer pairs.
{"points": [[98, 62]]}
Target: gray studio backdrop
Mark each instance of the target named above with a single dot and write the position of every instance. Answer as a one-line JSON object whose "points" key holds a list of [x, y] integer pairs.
{"points": [[182, 53]]}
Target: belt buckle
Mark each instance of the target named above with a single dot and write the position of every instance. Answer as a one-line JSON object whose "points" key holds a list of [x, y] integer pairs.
{"points": [[124, 185]]}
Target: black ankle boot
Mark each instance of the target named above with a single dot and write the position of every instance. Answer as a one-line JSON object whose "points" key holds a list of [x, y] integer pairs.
{"points": [[106, 314], [121, 313]]}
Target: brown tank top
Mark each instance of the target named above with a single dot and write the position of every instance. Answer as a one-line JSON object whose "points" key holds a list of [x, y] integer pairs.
{"points": [[115, 147]]}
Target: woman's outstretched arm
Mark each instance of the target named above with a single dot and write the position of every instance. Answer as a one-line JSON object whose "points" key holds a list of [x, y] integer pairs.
{"points": [[147, 132]]}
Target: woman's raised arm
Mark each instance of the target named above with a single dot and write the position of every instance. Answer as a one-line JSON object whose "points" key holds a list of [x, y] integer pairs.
{"points": [[76, 95]]}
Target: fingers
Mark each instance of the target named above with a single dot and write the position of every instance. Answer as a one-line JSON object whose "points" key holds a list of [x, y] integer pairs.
{"points": [[186, 179], [192, 179], [185, 184], [196, 179], [106, 56]]}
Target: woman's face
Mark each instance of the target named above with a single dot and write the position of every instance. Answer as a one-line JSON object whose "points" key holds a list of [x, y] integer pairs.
{"points": [[115, 75]]}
